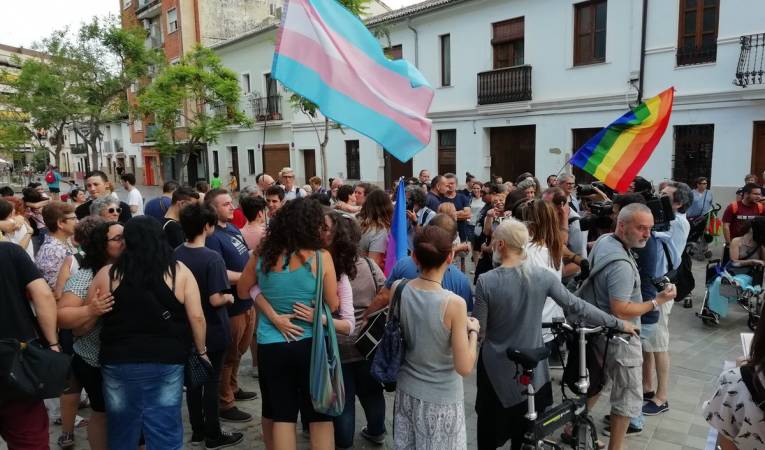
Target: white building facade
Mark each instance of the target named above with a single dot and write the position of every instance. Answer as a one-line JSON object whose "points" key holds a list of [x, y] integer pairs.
{"points": [[115, 149], [521, 84]]}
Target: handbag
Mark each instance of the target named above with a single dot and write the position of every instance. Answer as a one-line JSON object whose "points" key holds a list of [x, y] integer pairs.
{"points": [[390, 352], [326, 377], [369, 337], [30, 371], [197, 371]]}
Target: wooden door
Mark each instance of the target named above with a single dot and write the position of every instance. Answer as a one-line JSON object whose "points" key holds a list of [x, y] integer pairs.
{"points": [[758, 149], [148, 165], [580, 136], [512, 151], [395, 169], [275, 158], [309, 164], [235, 163]]}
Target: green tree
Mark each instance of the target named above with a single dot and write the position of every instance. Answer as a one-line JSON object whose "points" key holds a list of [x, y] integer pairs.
{"points": [[42, 90], [192, 103], [105, 60]]}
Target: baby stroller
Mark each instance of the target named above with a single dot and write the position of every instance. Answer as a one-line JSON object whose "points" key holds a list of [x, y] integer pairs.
{"points": [[699, 237], [727, 284]]}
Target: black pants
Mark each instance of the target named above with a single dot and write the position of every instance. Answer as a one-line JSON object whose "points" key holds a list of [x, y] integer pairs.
{"points": [[497, 424], [202, 402]]}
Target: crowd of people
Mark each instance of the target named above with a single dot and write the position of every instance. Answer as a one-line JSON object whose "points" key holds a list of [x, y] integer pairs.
{"points": [[131, 290]]}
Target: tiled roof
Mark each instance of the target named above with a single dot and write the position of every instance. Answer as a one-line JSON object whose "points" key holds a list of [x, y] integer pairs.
{"points": [[411, 10]]}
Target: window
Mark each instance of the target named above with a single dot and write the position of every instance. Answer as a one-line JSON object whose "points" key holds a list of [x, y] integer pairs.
{"points": [[137, 125], [697, 31], [394, 52], [172, 20], [271, 88], [126, 4], [133, 87], [590, 32], [180, 119], [352, 164], [507, 43], [246, 89], [216, 166], [693, 152], [446, 60], [447, 151], [251, 160]]}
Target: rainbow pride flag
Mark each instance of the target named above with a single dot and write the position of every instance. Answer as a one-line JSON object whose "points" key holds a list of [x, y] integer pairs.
{"points": [[397, 238], [327, 55], [617, 153]]}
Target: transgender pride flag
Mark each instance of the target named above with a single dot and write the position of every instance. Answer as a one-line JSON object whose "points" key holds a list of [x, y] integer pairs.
{"points": [[327, 55]]}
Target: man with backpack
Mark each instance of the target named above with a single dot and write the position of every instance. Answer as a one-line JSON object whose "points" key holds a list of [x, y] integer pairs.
{"points": [[741, 211]]}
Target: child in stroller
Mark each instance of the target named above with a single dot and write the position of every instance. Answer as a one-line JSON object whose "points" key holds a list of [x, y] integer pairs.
{"points": [[699, 237], [739, 279]]}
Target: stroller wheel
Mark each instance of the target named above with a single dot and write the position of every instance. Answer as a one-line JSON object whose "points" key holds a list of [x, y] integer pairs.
{"points": [[709, 317], [688, 302], [707, 254], [752, 322]]}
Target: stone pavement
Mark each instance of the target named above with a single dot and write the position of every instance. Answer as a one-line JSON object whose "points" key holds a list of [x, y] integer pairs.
{"points": [[698, 352]]}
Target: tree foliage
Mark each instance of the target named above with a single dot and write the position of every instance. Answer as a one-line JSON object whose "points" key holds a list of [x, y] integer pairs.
{"points": [[200, 95]]}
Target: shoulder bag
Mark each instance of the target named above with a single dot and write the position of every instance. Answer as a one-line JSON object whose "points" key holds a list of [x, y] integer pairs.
{"points": [[390, 351], [30, 371], [326, 378], [370, 336]]}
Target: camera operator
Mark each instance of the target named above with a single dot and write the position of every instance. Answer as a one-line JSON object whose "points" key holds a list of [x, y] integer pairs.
{"points": [[417, 212], [614, 286]]}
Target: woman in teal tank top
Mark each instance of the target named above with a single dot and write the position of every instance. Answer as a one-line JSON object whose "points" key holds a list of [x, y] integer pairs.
{"points": [[284, 267]]}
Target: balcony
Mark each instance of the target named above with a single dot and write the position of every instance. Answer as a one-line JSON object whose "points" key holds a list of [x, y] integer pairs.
{"points": [[148, 9], [266, 108], [152, 43], [510, 84], [751, 68], [79, 149], [696, 55]]}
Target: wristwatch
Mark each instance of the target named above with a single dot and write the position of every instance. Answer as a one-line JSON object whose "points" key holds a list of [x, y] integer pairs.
{"points": [[655, 305]]}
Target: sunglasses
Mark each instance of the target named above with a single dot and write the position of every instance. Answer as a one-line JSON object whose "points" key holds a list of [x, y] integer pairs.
{"points": [[114, 210]]}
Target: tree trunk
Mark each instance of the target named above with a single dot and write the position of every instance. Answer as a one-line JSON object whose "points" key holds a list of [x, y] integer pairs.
{"points": [[323, 153]]}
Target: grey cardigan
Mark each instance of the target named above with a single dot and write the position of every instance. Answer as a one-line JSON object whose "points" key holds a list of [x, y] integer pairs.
{"points": [[508, 304]]}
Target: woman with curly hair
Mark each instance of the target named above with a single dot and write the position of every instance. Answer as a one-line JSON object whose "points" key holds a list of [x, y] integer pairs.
{"points": [[375, 219], [285, 270]]}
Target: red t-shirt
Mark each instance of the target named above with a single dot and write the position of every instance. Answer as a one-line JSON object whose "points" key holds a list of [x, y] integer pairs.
{"points": [[743, 214], [239, 220]]}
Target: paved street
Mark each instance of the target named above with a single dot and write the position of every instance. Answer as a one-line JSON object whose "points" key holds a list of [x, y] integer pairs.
{"points": [[698, 352]]}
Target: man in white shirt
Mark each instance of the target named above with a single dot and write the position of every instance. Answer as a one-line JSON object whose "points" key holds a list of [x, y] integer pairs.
{"points": [[134, 197], [291, 191]]}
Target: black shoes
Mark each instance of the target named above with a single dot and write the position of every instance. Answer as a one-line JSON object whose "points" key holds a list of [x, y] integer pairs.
{"points": [[234, 415], [224, 440], [241, 395]]}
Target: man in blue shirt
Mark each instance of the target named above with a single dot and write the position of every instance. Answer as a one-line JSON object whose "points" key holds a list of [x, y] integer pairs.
{"points": [[227, 240], [405, 268], [158, 206]]}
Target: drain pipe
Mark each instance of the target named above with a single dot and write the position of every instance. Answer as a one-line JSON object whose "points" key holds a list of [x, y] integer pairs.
{"points": [[642, 52], [416, 42]]}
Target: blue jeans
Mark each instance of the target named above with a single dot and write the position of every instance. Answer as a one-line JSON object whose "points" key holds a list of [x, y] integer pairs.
{"points": [[144, 397], [359, 383]]}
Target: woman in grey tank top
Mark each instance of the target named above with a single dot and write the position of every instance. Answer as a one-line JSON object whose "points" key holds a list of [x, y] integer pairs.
{"points": [[441, 346]]}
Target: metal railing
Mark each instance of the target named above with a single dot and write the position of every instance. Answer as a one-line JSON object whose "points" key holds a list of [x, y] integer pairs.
{"points": [[266, 108], [751, 62], [696, 55], [510, 84], [79, 149]]}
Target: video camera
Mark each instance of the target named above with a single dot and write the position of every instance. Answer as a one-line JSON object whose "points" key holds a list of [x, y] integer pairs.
{"points": [[585, 190], [599, 217], [661, 209]]}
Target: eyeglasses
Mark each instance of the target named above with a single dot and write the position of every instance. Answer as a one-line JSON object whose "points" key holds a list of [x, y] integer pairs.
{"points": [[114, 210], [69, 218], [118, 238]]}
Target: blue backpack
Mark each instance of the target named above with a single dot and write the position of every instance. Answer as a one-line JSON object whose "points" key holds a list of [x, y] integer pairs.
{"points": [[390, 353]]}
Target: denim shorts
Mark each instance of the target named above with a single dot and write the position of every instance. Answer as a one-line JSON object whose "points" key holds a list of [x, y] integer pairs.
{"points": [[144, 396]]}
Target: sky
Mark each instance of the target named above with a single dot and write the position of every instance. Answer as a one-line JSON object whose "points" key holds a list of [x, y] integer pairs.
{"points": [[23, 22]]}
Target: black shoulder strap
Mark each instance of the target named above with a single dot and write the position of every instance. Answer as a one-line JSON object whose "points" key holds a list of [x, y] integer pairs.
{"points": [[395, 303], [752, 382], [425, 216], [667, 256]]}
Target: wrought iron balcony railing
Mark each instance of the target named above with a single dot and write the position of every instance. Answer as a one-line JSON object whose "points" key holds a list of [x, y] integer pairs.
{"points": [[751, 67], [510, 84], [266, 108]]}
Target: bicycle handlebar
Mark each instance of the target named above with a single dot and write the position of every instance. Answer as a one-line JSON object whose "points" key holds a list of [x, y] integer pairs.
{"points": [[578, 328]]}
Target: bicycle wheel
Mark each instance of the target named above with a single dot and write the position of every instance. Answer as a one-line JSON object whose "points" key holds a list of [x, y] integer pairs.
{"points": [[586, 435]]}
